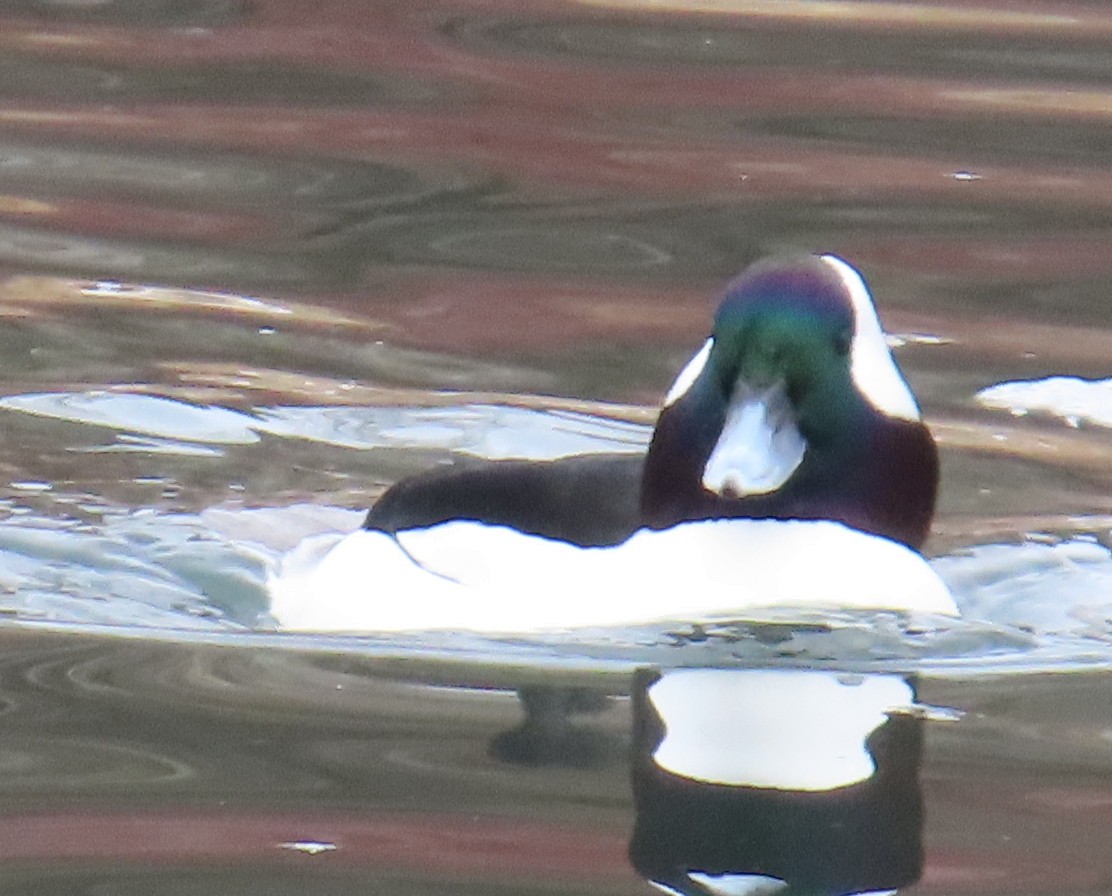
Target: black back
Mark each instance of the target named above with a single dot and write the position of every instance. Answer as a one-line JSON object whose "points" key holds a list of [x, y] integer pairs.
{"points": [[586, 500]]}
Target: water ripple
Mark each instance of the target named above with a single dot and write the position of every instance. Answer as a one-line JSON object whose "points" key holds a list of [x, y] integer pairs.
{"points": [[196, 175], [164, 13]]}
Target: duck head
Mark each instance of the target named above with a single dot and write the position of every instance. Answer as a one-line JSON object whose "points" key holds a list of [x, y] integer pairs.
{"points": [[795, 409]]}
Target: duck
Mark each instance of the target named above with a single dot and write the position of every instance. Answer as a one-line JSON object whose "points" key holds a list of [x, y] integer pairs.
{"points": [[790, 432], [793, 408]]}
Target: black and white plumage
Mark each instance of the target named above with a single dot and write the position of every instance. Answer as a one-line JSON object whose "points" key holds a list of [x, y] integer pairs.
{"points": [[790, 432]]}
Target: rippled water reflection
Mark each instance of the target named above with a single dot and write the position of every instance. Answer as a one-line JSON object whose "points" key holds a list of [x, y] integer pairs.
{"points": [[258, 261], [224, 769]]}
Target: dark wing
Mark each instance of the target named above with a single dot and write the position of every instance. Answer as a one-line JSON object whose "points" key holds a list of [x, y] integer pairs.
{"points": [[586, 500]]}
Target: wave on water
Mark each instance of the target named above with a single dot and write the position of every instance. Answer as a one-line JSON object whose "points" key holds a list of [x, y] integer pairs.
{"points": [[479, 429]]}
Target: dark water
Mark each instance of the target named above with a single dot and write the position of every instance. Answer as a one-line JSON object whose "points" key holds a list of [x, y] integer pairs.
{"points": [[259, 260]]}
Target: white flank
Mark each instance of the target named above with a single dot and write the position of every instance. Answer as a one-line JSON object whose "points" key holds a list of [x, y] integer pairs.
{"points": [[465, 576], [759, 447], [788, 730], [871, 364], [689, 374]]}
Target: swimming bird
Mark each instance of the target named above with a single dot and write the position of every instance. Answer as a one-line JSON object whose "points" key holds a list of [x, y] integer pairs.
{"points": [[792, 409], [790, 436]]}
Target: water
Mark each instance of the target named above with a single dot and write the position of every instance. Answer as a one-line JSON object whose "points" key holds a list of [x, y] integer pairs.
{"points": [[258, 261]]}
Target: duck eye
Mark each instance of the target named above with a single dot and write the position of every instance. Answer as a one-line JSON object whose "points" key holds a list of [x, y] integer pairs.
{"points": [[842, 342]]}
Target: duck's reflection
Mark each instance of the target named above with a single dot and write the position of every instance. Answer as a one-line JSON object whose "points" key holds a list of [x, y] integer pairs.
{"points": [[549, 735], [788, 782]]}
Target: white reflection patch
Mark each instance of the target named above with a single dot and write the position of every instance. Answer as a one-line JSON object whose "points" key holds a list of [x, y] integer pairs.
{"points": [[143, 414], [739, 884], [871, 365], [1068, 397], [309, 847], [686, 377], [787, 730], [760, 445]]}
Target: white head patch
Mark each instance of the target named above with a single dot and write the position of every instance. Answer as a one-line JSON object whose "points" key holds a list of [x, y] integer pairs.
{"points": [[689, 374], [871, 365], [760, 445]]}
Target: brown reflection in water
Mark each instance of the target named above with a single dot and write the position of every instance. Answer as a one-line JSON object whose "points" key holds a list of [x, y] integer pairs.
{"points": [[1003, 816], [1037, 18], [122, 754], [456, 847], [120, 757], [166, 13], [547, 124]]}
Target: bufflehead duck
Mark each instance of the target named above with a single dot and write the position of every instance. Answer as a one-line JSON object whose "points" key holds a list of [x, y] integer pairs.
{"points": [[793, 409], [790, 432]]}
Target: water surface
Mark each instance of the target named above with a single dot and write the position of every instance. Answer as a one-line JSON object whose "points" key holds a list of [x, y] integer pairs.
{"points": [[258, 261]]}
